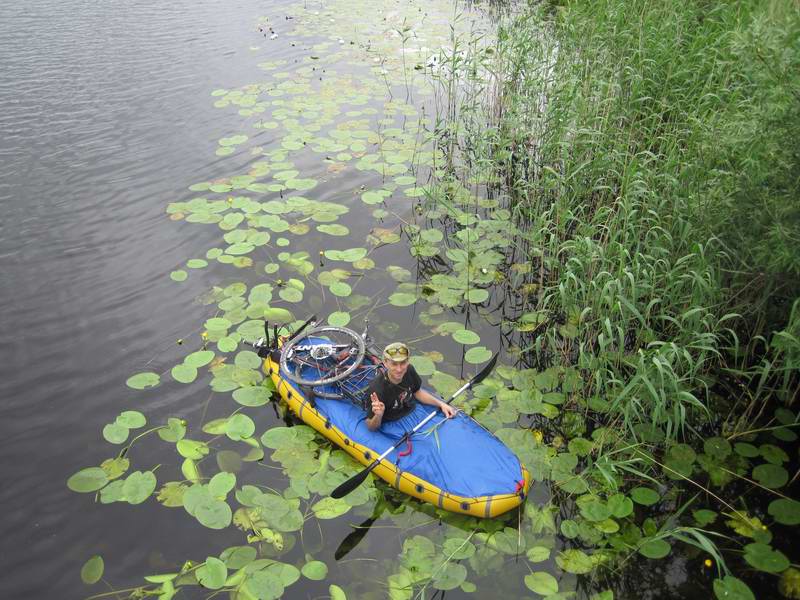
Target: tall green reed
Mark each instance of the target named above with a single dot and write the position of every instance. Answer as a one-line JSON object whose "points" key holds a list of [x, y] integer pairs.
{"points": [[609, 132]]}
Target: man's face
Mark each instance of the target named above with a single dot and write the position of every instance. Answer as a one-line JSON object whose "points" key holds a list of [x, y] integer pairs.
{"points": [[395, 369]]}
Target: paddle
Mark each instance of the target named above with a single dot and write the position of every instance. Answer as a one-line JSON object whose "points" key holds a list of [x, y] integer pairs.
{"points": [[352, 483], [354, 537]]}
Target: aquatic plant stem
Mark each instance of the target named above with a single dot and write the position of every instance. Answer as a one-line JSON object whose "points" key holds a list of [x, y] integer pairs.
{"points": [[751, 431], [446, 560], [125, 450]]}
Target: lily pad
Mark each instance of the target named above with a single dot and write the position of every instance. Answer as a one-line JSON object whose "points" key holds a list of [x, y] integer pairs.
{"points": [[171, 494], [594, 509], [199, 359], [132, 419], [264, 585], [771, 476], [785, 511], [542, 583], [731, 588], [336, 592], [746, 450], [192, 449], [449, 576], [219, 323], [341, 289], [87, 480], [174, 431], [764, 558], [214, 514], [569, 529], [704, 517], [290, 294], [423, 365], [92, 570], [718, 447], [620, 505], [654, 548], [477, 295], [374, 196], [247, 359], [141, 381], [139, 486], [227, 344], [253, 395], [773, 454], [644, 496], [239, 427], [184, 373], [212, 574], [458, 548], [465, 336], [115, 467], [334, 229], [237, 557], [349, 255], [316, 570], [330, 508], [339, 319], [115, 433], [402, 299], [538, 554], [477, 355], [574, 561], [221, 484]]}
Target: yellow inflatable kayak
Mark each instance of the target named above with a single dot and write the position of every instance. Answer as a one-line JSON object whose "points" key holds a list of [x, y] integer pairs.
{"points": [[454, 464]]}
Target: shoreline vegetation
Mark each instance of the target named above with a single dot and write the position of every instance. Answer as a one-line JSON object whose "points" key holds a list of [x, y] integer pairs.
{"points": [[647, 156]]}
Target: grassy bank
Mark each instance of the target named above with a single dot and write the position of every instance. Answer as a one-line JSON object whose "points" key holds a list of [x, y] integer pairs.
{"points": [[648, 155]]}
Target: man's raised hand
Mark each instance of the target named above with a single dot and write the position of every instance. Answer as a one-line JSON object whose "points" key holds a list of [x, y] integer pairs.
{"points": [[377, 405]]}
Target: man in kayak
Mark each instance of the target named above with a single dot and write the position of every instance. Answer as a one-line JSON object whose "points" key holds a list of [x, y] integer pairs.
{"points": [[392, 393]]}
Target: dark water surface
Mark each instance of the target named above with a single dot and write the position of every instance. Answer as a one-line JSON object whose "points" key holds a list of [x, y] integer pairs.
{"points": [[105, 117]]}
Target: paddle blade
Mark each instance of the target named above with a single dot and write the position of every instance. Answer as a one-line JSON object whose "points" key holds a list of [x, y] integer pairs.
{"points": [[485, 372], [353, 538], [352, 483]]}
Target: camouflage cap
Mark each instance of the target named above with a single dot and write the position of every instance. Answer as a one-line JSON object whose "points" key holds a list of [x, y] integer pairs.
{"points": [[396, 351]]}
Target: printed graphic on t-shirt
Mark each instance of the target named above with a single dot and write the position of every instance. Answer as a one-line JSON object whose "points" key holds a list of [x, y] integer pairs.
{"points": [[398, 399]]}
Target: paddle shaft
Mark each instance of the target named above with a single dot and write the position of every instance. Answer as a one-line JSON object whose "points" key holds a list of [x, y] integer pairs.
{"points": [[352, 483]]}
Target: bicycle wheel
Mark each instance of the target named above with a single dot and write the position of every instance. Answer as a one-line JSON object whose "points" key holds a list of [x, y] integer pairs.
{"points": [[322, 355]]}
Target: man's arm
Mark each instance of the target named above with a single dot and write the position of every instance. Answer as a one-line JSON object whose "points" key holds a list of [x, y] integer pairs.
{"points": [[428, 398]]}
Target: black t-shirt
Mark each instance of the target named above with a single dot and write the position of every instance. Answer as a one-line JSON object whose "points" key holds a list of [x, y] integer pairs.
{"points": [[397, 398]]}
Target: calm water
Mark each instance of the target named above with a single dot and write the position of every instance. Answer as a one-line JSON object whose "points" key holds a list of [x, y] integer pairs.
{"points": [[105, 117]]}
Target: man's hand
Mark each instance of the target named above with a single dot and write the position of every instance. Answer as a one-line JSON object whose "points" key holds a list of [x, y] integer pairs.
{"points": [[448, 410], [374, 422], [377, 406]]}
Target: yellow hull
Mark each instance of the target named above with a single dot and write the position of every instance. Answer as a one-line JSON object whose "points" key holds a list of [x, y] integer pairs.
{"points": [[483, 506]]}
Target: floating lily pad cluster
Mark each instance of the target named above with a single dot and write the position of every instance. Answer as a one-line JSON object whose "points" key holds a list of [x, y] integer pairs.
{"points": [[476, 253], [401, 46]]}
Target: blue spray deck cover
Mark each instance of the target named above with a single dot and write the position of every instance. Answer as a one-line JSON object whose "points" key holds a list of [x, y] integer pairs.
{"points": [[457, 455]]}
